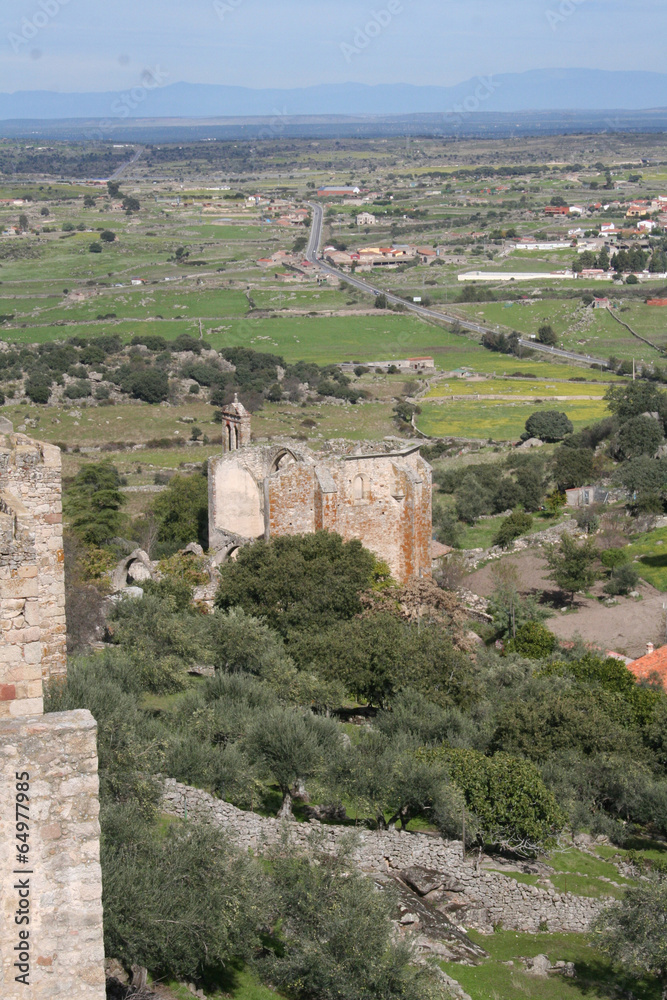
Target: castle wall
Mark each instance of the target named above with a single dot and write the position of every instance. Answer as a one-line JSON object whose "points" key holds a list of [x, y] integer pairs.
{"points": [[20, 633], [31, 472], [59, 890], [51, 941]]}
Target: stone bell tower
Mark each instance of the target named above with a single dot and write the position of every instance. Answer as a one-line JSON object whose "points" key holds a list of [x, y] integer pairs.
{"points": [[51, 942], [235, 426]]}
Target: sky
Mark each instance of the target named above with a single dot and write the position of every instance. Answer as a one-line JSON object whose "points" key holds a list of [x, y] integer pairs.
{"points": [[107, 45]]}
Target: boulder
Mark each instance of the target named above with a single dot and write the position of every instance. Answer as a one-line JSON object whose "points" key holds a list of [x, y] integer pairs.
{"points": [[538, 966], [113, 969]]}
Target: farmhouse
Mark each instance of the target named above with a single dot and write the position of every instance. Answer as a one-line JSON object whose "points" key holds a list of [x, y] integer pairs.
{"points": [[366, 219], [381, 499]]}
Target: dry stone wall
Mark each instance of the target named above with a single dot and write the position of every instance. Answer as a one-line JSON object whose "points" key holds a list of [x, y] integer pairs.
{"points": [[486, 898]]}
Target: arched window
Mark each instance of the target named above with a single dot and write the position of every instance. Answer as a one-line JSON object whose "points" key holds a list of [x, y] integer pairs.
{"points": [[360, 490], [236, 439]]}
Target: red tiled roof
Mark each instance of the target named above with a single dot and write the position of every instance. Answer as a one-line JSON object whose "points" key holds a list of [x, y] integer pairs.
{"points": [[652, 663]]}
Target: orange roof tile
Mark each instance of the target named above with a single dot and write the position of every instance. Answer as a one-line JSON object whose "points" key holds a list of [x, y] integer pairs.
{"points": [[652, 663]]}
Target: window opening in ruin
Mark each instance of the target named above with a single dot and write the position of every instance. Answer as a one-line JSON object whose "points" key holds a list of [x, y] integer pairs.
{"points": [[360, 488]]}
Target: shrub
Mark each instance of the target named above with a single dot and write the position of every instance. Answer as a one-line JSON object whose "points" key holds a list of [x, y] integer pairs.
{"points": [[79, 390], [532, 640], [512, 527]]}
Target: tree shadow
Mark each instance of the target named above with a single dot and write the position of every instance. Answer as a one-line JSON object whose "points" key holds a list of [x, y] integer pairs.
{"points": [[596, 977]]}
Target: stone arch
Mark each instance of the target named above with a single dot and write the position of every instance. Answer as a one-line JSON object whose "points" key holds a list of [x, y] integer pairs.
{"points": [[135, 568], [283, 458]]}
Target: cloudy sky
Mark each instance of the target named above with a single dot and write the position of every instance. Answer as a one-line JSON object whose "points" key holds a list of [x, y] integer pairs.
{"points": [[93, 45]]}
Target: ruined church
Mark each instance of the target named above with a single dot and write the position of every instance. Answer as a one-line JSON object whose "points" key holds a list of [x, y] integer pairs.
{"points": [[381, 499]]}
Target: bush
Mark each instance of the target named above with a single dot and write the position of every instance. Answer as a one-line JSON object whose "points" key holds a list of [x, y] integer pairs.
{"points": [[218, 893], [78, 390], [336, 934], [512, 527], [511, 806], [624, 579], [38, 388], [298, 581], [532, 640], [151, 385]]}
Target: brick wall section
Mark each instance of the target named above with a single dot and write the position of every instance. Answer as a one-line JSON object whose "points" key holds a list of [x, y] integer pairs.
{"points": [[488, 898], [31, 472], [66, 947], [20, 636], [382, 500]]}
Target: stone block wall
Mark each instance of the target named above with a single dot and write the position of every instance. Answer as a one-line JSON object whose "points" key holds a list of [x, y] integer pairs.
{"points": [[20, 634], [30, 472], [384, 501], [51, 941], [51, 906], [488, 898]]}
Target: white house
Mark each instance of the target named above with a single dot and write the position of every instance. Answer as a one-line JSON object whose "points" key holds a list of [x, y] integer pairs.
{"points": [[366, 219]]}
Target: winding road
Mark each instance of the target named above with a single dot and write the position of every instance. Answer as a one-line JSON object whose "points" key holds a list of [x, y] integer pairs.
{"points": [[430, 315]]}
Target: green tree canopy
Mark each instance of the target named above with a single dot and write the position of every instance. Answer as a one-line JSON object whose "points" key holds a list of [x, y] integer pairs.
{"points": [[181, 511], [93, 503], [639, 436], [632, 932], [572, 467], [631, 399], [572, 563], [510, 803], [548, 425], [298, 581]]}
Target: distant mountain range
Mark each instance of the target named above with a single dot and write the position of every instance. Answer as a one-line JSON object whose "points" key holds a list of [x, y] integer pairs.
{"points": [[536, 90]]}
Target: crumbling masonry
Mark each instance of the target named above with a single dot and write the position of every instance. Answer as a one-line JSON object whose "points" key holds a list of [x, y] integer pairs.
{"points": [[383, 500], [51, 942]]}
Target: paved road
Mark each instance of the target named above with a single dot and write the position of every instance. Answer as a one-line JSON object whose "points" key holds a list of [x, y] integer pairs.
{"points": [[431, 315], [125, 166]]}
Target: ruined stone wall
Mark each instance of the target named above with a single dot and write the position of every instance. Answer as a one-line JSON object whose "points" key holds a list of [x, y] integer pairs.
{"points": [[31, 473], [59, 890], [50, 876], [384, 501], [488, 898], [20, 634]]}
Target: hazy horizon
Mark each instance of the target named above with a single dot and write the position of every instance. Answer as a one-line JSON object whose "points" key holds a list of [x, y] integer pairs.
{"points": [[50, 45]]}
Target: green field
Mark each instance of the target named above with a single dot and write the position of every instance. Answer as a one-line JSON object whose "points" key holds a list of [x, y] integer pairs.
{"points": [[652, 552], [502, 976], [496, 420], [521, 388]]}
